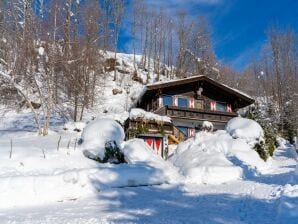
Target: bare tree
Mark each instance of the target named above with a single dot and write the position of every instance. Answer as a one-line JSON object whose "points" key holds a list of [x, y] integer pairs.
{"points": [[117, 11]]}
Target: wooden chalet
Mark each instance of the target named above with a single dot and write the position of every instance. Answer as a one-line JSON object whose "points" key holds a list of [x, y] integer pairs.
{"points": [[188, 102]]}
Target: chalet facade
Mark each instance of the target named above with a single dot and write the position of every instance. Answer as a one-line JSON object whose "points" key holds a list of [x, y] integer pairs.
{"points": [[189, 102]]}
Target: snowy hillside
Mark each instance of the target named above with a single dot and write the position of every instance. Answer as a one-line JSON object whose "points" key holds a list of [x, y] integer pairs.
{"points": [[113, 98]]}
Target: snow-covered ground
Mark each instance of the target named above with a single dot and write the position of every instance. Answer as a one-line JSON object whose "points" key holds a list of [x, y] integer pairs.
{"points": [[42, 185], [255, 200]]}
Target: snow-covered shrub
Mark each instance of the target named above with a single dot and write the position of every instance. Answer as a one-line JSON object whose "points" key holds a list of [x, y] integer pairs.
{"points": [[113, 153], [207, 126], [264, 148], [98, 133], [260, 147], [246, 129], [215, 158], [261, 140]]}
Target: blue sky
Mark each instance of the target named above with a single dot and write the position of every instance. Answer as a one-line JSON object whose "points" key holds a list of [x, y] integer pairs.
{"points": [[238, 26]]}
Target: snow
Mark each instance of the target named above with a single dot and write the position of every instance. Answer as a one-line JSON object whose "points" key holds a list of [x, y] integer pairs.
{"points": [[31, 179], [66, 187], [288, 207], [173, 81], [41, 51], [215, 158], [73, 126], [136, 113], [255, 200], [192, 77], [100, 131], [207, 125], [212, 178], [39, 172], [136, 151], [244, 128]]}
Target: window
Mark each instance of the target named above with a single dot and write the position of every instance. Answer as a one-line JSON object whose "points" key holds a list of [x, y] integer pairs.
{"points": [[184, 130], [167, 100], [199, 104], [182, 102], [221, 106]]}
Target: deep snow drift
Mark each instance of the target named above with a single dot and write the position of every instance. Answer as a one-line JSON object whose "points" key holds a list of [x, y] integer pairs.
{"points": [[40, 172], [252, 200], [41, 184], [215, 158]]}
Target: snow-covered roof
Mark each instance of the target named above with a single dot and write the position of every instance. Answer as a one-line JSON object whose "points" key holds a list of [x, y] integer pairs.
{"points": [[174, 81], [136, 113], [193, 79]]}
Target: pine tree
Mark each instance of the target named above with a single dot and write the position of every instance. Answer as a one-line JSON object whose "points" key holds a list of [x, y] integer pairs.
{"points": [[260, 114]]}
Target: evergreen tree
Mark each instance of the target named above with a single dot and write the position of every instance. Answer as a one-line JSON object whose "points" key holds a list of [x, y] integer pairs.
{"points": [[259, 113]]}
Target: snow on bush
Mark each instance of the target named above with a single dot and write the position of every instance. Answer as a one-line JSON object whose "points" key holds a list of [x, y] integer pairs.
{"points": [[136, 113], [98, 132], [215, 158], [245, 128], [207, 126]]}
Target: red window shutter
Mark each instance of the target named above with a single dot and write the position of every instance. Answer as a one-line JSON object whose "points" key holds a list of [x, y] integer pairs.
{"points": [[191, 132], [229, 108], [175, 100], [213, 105], [191, 102]]}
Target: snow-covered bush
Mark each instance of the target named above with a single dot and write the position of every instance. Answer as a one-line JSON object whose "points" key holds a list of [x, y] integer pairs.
{"points": [[113, 153], [97, 134], [262, 140], [207, 126], [260, 115], [215, 158], [246, 129]]}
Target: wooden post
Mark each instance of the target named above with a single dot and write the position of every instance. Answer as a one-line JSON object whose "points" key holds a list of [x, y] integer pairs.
{"points": [[75, 145], [10, 154], [44, 155], [68, 143], [58, 143]]}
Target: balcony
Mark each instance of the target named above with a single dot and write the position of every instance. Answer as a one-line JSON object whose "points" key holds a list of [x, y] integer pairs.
{"points": [[195, 114]]}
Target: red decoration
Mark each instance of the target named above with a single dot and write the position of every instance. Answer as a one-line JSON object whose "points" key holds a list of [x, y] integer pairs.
{"points": [[229, 108], [191, 103], [175, 100], [213, 105], [157, 144], [191, 132], [149, 142]]}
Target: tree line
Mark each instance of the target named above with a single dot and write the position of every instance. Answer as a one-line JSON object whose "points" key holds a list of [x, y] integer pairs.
{"points": [[53, 55], [52, 52], [273, 79]]}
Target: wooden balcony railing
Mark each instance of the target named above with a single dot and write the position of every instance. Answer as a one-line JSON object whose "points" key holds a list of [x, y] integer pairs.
{"points": [[195, 114]]}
